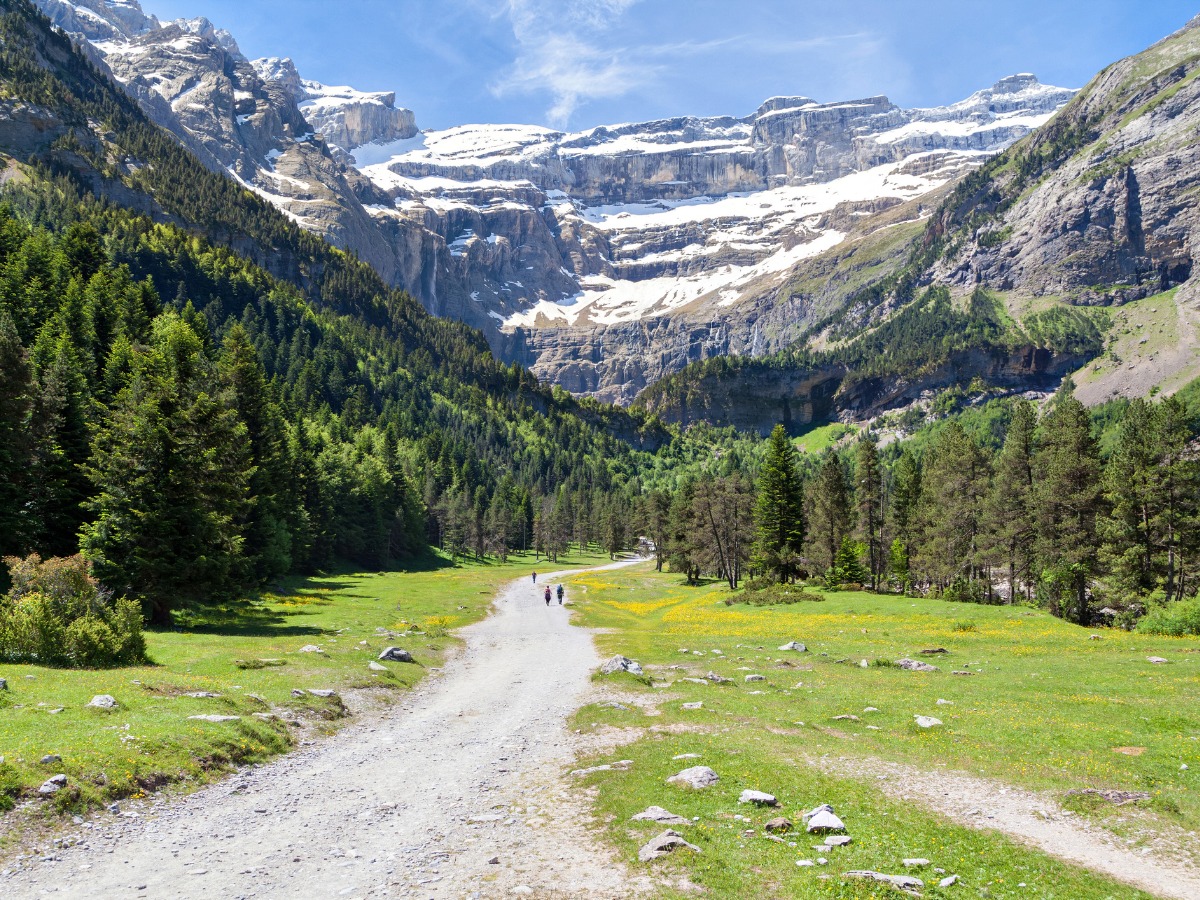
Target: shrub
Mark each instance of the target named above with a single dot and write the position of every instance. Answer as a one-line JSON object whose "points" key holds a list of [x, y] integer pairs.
{"points": [[965, 626], [57, 614], [1176, 619], [776, 594]]}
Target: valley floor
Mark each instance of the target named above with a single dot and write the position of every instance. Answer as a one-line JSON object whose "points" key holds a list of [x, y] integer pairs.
{"points": [[470, 786]]}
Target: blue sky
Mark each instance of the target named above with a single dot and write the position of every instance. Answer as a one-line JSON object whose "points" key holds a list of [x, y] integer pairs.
{"points": [[579, 63]]}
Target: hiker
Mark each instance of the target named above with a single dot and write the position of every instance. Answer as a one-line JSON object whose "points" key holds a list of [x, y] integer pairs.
{"points": [[535, 577], [547, 595], [560, 594]]}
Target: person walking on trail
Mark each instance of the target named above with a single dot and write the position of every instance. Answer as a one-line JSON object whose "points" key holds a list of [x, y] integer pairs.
{"points": [[535, 577], [547, 595], [560, 594]]}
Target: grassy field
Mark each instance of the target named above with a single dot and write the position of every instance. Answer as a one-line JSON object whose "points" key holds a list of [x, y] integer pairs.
{"points": [[1049, 708], [250, 655]]}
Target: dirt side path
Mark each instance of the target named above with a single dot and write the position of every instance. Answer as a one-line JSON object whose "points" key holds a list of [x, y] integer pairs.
{"points": [[412, 803], [1164, 867]]}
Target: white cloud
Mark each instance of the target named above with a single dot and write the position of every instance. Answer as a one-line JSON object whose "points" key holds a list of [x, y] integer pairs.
{"points": [[560, 51]]}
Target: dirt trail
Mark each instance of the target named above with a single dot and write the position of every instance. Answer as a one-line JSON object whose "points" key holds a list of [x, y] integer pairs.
{"points": [[413, 803], [1161, 868]]}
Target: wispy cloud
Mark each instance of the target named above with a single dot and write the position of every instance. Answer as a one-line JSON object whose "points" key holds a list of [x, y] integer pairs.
{"points": [[561, 51]]}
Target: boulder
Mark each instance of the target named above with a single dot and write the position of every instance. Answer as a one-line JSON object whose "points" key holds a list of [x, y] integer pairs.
{"points": [[915, 665], [658, 814], [103, 701], [948, 881], [53, 784], [697, 777], [837, 840], [663, 844], [927, 721], [781, 825], [620, 664], [396, 654], [50, 759], [3, 684], [822, 821], [794, 645], [718, 679], [758, 798]]}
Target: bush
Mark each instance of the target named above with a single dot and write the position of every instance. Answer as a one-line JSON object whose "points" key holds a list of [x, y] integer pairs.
{"points": [[1175, 619], [57, 614], [775, 595]]}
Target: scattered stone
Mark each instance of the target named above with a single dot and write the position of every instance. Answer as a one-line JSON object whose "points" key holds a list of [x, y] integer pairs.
{"points": [[663, 844], [718, 679], [915, 665], [948, 880], [613, 704], [686, 756], [53, 785], [3, 684], [322, 692], [592, 769], [620, 664], [942, 702], [755, 678], [963, 673], [376, 667], [822, 820], [782, 825], [868, 709], [396, 654], [845, 718], [758, 798], [202, 695], [934, 651], [214, 718], [311, 648], [658, 814], [50, 759], [494, 861], [804, 862], [837, 840], [697, 777], [916, 862], [103, 701], [863, 664], [1155, 659], [927, 721], [904, 882], [699, 704], [1117, 798], [794, 645]]}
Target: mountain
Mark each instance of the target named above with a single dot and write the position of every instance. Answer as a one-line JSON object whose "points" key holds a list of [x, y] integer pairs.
{"points": [[1080, 236], [602, 259]]}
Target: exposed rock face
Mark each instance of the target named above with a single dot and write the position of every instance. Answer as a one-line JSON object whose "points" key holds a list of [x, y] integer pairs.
{"points": [[603, 259]]}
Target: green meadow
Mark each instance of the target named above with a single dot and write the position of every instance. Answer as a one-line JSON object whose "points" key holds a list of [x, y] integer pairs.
{"points": [[1049, 706]]}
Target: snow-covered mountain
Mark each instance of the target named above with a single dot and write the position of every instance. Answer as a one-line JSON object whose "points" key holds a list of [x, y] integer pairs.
{"points": [[603, 259]]}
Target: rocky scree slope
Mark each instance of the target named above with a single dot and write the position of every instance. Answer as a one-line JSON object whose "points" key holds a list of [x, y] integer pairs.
{"points": [[1091, 219], [603, 259]]}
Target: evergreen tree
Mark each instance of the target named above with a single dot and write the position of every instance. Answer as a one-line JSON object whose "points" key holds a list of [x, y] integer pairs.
{"points": [[170, 464], [950, 512], [1130, 488], [868, 497], [829, 512], [905, 496], [15, 401], [779, 510], [1009, 536], [1066, 504]]}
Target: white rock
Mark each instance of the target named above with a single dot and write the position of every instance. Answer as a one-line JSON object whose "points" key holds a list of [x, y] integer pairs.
{"points": [[948, 880], [755, 678], [686, 756], [942, 702], [904, 882], [870, 709], [927, 721], [794, 645], [758, 797], [697, 777], [658, 814], [825, 820], [311, 648], [663, 844], [697, 705], [915, 862], [53, 784], [1155, 659], [915, 665], [376, 667], [620, 664], [396, 654], [215, 718]]}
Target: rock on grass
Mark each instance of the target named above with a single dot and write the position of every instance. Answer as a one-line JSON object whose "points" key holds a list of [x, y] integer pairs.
{"points": [[663, 844], [697, 777]]}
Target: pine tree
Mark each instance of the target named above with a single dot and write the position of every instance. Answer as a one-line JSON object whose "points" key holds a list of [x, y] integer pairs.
{"points": [[905, 497], [170, 465], [829, 512], [949, 515], [15, 401], [1176, 518], [1066, 504], [1130, 488], [779, 510], [868, 497], [1009, 534]]}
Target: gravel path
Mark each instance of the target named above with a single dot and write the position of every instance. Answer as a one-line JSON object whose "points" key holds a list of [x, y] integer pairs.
{"points": [[1164, 867], [415, 802]]}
